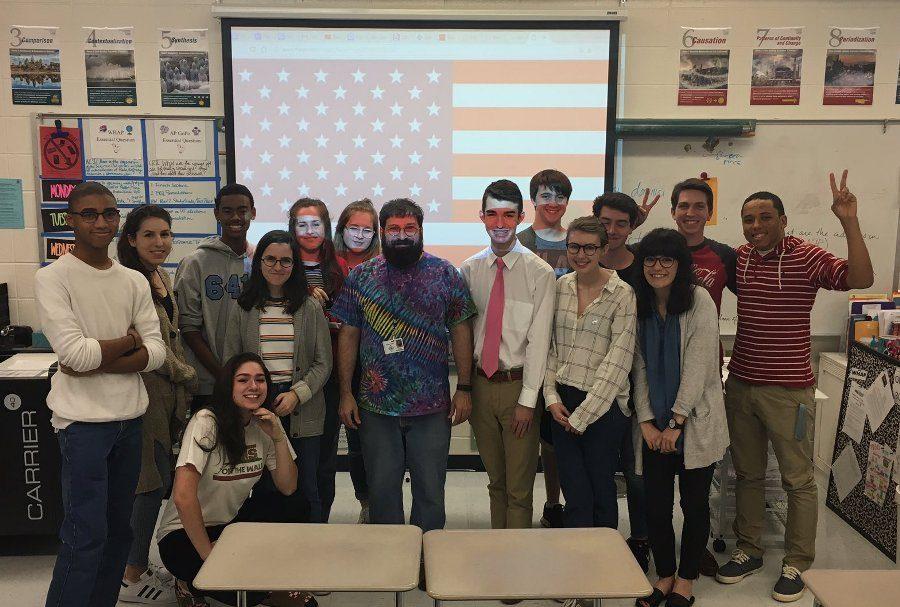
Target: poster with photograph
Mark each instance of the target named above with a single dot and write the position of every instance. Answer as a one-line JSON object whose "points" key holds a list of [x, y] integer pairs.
{"points": [[184, 68], [34, 65], [109, 66], [777, 61], [703, 66], [878, 472], [850, 66]]}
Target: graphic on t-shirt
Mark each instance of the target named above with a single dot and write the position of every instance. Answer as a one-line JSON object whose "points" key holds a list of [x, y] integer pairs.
{"points": [[251, 465], [705, 276], [216, 287], [554, 253]]}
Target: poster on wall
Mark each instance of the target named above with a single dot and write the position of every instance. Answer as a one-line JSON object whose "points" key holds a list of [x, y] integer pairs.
{"points": [[777, 61], [184, 68], [113, 146], [60, 151], [109, 66], [703, 66], [34, 65], [850, 66]]}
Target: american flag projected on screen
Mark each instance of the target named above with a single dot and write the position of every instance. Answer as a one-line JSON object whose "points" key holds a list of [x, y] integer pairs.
{"points": [[424, 114]]}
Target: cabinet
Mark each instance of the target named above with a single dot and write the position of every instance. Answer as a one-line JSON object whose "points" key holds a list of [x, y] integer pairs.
{"points": [[832, 370]]}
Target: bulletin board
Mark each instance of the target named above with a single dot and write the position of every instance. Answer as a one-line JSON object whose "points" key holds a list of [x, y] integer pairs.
{"points": [[864, 468], [167, 160]]}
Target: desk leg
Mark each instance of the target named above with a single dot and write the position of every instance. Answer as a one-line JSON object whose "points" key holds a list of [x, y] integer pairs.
{"points": [[398, 599], [596, 602], [437, 603], [241, 598]]}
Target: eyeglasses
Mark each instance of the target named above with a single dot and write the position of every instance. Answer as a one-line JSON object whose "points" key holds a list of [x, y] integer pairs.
{"points": [[270, 261], [665, 262], [360, 232], [90, 215], [409, 232], [589, 249]]}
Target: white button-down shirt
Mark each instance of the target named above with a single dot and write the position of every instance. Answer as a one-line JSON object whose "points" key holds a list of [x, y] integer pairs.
{"points": [[529, 287]]}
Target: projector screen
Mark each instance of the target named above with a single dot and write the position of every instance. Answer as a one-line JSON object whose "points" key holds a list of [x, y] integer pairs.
{"points": [[429, 111]]}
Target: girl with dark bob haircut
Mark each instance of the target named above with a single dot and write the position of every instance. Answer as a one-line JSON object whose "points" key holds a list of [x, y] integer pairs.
{"points": [[663, 242]]}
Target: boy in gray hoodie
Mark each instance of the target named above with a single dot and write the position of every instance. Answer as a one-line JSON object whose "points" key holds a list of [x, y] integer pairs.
{"points": [[208, 283]]}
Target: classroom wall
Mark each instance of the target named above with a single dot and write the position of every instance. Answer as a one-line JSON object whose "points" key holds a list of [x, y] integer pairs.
{"points": [[650, 37]]}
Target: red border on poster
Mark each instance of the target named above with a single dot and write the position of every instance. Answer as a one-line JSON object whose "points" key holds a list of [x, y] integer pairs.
{"points": [[61, 153], [848, 95], [774, 95]]}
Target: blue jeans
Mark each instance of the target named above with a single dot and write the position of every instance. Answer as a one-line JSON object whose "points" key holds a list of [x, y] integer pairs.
{"points": [[146, 510], [307, 450], [389, 445], [101, 463], [587, 464], [634, 488], [357, 465]]}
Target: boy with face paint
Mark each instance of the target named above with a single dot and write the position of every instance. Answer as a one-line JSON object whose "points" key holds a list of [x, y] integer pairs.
{"points": [[209, 281], [513, 291]]}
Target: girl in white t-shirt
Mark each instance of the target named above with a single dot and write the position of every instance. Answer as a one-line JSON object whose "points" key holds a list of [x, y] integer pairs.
{"points": [[223, 452]]}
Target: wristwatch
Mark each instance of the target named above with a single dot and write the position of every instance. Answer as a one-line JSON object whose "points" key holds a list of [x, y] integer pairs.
{"points": [[673, 425]]}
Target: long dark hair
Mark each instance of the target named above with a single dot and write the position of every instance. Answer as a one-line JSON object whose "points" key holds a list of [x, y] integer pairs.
{"points": [[127, 254], [667, 243], [256, 291], [331, 270], [358, 206], [229, 427]]}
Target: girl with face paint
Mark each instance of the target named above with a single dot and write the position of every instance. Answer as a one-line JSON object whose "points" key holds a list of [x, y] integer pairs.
{"points": [[356, 234]]}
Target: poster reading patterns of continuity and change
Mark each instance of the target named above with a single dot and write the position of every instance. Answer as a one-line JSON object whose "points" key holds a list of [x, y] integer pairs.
{"points": [[169, 162], [703, 66], [184, 68], [777, 61], [109, 65], [34, 65], [850, 66]]}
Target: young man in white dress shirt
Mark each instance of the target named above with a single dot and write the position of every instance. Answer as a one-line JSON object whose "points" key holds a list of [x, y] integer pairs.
{"points": [[513, 290]]}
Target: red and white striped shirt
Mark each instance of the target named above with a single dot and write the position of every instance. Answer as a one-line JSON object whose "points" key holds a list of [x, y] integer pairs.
{"points": [[776, 293]]}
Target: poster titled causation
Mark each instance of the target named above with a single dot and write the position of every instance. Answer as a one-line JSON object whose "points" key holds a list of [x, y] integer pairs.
{"points": [[34, 65], [850, 66], [184, 68], [703, 66], [109, 65], [777, 59]]}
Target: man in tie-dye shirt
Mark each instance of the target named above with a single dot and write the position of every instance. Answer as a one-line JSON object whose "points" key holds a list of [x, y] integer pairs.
{"points": [[397, 310]]}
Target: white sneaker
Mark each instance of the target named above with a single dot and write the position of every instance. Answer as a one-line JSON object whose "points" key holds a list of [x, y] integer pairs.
{"points": [[149, 590], [162, 574]]}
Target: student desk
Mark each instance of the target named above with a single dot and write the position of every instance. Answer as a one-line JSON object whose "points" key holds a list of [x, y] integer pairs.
{"points": [[494, 564], [338, 558], [835, 588]]}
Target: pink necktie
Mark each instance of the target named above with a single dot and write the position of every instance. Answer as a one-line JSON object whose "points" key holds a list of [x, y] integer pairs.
{"points": [[490, 351]]}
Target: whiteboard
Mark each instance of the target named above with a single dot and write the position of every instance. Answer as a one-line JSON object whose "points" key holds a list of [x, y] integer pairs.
{"points": [[791, 160]]}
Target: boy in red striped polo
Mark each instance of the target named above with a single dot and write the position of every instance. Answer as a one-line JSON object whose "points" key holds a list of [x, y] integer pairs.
{"points": [[769, 392]]}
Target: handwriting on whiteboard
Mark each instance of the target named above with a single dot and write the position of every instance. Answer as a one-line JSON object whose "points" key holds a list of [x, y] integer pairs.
{"points": [[821, 236], [726, 158]]}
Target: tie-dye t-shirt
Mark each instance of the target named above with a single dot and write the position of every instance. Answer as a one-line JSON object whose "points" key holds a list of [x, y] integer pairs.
{"points": [[417, 305]]}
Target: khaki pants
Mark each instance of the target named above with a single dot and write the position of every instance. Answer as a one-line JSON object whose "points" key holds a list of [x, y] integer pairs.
{"points": [[756, 415], [510, 462]]}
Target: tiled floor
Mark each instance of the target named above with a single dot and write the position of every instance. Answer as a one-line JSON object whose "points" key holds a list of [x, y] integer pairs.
{"points": [[24, 579]]}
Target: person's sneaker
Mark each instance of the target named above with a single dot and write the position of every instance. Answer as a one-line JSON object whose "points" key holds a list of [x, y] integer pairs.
{"points": [[149, 590], [553, 516], [161, 573], [709, 566], [186, 599], [363, 514], [641, 551], [789, 586], [740, 566]]}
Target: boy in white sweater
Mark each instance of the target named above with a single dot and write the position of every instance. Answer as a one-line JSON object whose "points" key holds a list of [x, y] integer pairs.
{"points": [[99, 318]]}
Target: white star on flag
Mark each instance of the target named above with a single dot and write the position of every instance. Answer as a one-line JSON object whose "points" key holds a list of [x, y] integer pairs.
{"points": [[284, 141], [245, 108], [264, 92], [358, 75], [285, 204], [433, 174], [433, 76], [303, 125], [414, 190], [359, 141], [246, 141], [433, 206], [283, 75], [359, 174], [339, 92], [303, 190], [340, 125], [433, 109], [377, 126], [340, 190], [302, 92], [321, 109], [321, 141], [265, 157], [377, 92], [377, 157], [265, 125], [414, 92], [285, 173], [433, 141], [358, 109], [247, 174], [377, 190], [303, 158], [414, 158], [266, 189], [396, 76], [245, 76], [283, 109], [340, 158], [320, 75], [414, 125], [396, 109], [396, 141], [322, 173], [396, 174]]}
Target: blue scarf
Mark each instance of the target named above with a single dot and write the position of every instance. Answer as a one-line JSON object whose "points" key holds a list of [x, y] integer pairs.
{"points": [[661, 346]]}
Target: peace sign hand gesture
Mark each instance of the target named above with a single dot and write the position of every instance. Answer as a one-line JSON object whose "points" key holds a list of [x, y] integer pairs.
{"points": [[844, 201], [644, 208]]}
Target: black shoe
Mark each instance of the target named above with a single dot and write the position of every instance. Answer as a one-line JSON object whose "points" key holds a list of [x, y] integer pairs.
{"points": [[740, 566], [789, 586], [709, 566], [553, 516], [641, 551]]}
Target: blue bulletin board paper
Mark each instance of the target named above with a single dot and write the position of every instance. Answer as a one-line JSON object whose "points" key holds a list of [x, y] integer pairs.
{"points": [[11, 212]]}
